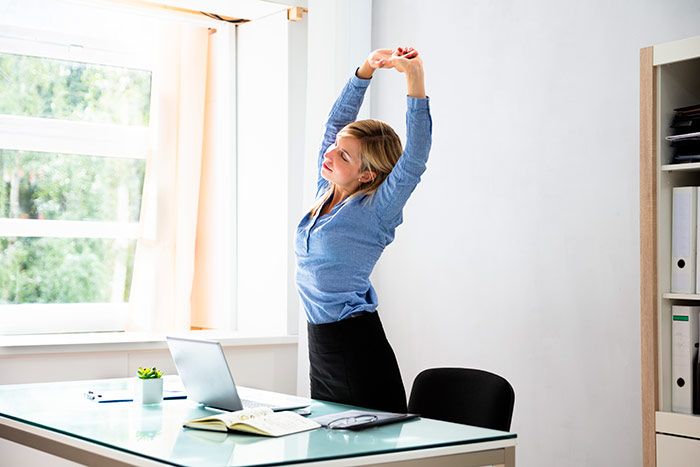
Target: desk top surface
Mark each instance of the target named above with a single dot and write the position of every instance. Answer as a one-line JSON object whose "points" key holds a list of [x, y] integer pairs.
{"points": [[155, 431]]}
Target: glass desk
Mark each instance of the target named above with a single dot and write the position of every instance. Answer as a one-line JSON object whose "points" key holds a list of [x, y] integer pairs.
{"points": [[58, 419]]}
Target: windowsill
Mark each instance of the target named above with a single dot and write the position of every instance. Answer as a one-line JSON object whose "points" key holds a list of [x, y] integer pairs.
{"points": [[121, 341]]}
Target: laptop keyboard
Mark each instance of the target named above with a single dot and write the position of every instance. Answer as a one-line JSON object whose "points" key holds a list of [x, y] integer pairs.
{"points": [[248, 404]]}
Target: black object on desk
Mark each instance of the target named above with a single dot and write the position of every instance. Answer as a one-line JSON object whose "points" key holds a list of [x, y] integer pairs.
{"points": [[361, 419]]}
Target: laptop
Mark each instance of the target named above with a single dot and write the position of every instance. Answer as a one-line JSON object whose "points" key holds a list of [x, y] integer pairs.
{"points": [[205, 374]]}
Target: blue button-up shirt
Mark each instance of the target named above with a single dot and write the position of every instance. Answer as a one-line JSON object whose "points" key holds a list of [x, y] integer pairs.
{"points": [[337, 252]]}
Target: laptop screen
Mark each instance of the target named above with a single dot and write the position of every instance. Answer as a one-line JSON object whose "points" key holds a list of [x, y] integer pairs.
{"points": [[204, 371]]}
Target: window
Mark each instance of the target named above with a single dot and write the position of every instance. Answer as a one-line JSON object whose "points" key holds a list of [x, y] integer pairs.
{"points": [[127, 201], [74, 139]]}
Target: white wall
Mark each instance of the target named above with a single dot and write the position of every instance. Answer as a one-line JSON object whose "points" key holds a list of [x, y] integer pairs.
{"points": [[520, 249], [266, 366]]}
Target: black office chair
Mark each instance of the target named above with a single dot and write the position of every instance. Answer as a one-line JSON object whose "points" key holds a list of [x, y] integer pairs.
{"points": [[463, 395]]}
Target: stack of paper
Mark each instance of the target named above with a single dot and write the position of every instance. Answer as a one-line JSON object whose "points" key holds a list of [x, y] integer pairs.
{"points": [[686, 138]]}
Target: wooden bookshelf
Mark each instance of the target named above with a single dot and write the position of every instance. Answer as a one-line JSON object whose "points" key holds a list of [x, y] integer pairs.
{"points": [[669, 79]]}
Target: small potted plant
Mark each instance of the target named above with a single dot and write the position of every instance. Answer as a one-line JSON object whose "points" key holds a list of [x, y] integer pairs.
{"points": [[149, 385]]}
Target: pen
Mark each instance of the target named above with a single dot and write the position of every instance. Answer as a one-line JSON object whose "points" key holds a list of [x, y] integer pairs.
{"points": [[91, 395]]}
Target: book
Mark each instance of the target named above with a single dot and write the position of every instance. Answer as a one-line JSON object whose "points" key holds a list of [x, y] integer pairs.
{"points": [[259, 420], [361, 419]]}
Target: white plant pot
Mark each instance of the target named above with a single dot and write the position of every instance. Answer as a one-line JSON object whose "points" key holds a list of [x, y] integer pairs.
{"points": [[149, 391]]}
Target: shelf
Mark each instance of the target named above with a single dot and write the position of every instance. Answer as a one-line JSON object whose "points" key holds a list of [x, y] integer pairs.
{"points": [[681, 296], [678, 424], [676, 51], [668, 81], [690, 167]]}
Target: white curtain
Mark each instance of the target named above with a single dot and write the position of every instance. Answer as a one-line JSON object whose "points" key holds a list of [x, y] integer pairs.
{"points": [[165, 255], [213, 287]]}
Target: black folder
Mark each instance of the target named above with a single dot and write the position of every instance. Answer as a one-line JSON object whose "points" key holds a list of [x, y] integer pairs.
{"points": [[361, 419]]}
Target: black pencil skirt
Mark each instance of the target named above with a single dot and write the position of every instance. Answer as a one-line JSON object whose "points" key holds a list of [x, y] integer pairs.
{"points": [[353, 363]]}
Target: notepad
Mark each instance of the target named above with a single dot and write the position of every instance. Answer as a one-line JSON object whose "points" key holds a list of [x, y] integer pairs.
{"points": [[260, 421]]}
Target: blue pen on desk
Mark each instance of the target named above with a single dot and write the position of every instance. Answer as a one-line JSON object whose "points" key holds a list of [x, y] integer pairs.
{"points": [[93, 396], [124, 396]]}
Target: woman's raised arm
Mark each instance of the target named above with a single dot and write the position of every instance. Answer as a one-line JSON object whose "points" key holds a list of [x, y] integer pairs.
{"points": [[392, 194], [406, 60], [347, 106]]}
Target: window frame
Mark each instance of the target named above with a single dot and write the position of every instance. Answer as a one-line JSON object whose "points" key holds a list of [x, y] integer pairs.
{"points": [[82, 138]]}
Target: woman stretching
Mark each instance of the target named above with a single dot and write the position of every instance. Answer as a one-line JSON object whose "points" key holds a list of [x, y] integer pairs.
{"points": [[364, 181]]}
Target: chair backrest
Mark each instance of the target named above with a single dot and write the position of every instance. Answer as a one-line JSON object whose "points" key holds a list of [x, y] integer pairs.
{"points": [[463, 395]]}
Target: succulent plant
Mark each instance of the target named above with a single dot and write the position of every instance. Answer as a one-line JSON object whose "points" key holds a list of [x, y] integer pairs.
{"points": [[149, 373]]}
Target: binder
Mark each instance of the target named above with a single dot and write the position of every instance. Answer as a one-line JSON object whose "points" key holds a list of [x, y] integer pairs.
{"points": [[684, 240], [684, 357]]}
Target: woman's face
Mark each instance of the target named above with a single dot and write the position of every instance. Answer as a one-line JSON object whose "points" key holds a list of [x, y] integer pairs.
{"points": [[342, 164]]}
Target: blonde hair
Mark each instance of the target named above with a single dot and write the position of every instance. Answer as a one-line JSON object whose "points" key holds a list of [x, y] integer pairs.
{"points": [[380, 149]]}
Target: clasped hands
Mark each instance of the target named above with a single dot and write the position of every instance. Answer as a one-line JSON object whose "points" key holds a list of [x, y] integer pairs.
{"points": [[403, 59]]}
